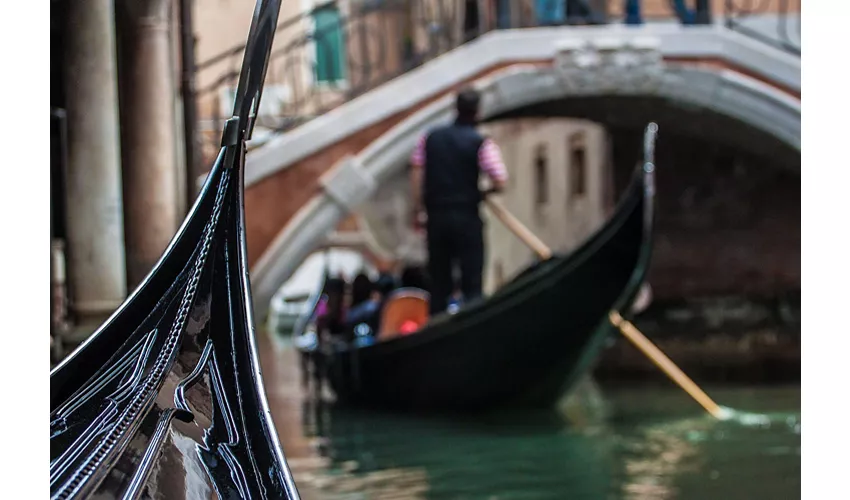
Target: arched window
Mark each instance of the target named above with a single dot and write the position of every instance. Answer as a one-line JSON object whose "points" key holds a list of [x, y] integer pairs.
{"points": [[577, 166]]}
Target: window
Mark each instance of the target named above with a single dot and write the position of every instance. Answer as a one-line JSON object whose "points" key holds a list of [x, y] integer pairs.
{"points": [[330, 45], [541, 176], [577, 165]]}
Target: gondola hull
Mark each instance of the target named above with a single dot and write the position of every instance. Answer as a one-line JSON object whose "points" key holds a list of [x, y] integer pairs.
{"points": [[165, 399], [524, 346]]}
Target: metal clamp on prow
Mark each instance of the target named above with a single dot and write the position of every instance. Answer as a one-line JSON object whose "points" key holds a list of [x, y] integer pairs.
{"points": [[230, 134]]}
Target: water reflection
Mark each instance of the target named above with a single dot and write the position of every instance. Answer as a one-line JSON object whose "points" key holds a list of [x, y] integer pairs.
{"points": [[528, 456], [653, 459], [754, 456], [656, 444]]}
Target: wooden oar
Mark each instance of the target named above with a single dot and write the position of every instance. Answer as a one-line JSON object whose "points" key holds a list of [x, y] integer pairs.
{"points": [[626, 327], [661, 360]]}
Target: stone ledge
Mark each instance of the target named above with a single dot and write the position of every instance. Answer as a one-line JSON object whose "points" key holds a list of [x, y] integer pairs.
{"points": [[760, 356]]}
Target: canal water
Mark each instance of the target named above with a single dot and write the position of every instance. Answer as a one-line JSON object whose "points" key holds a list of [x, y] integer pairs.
{"points": [[650, 442]]}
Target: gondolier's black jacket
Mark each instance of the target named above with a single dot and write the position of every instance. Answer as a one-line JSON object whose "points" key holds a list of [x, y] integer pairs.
{"points": [[451, 168]]}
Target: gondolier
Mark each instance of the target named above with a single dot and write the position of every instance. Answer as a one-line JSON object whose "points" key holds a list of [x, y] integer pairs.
{"points": [[525, 346], [444, 180]]}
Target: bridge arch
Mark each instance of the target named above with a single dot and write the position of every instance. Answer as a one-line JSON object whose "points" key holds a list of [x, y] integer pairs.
{"points": [[581, 70]]}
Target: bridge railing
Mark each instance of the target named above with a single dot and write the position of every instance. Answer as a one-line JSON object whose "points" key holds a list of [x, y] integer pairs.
{"points": [[329, 55], [343, 48]]}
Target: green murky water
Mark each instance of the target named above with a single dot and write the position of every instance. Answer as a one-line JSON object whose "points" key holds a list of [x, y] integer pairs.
{"points": [[653, 443]]}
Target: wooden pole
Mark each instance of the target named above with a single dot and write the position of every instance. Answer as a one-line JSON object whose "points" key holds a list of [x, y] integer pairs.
{"points": [[625, 327]]}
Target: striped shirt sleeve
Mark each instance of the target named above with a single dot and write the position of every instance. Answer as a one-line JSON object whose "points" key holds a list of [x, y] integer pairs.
{"points": [[489, 158], [417, 158], [490, 161]]}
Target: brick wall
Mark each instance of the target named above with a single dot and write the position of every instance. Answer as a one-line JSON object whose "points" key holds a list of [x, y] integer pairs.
{"points": [[727, 223]]}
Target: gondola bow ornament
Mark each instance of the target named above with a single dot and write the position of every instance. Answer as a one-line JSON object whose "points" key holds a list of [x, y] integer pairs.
{"points": [[165, 399]]}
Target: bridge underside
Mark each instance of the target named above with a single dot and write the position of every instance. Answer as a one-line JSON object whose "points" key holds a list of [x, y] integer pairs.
{"points": [[634, 112]]}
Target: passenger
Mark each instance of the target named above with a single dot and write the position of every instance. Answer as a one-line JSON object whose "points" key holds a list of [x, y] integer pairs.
{"points": [[386, 283], [332, 320], [455, 301], [321, 307], [414, 277], [327, 320], [361, 289], [364, 311], [369, 311]]}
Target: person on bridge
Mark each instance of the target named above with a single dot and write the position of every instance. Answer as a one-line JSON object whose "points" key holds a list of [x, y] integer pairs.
{"points": [[444, 179]]}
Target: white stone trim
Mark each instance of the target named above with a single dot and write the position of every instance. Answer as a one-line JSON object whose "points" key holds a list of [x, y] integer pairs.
{"points": [[361, 238], [348, 184], [286, 251]]}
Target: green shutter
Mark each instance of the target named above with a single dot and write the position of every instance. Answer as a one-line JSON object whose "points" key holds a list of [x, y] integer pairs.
{"points": [[330, 45]]}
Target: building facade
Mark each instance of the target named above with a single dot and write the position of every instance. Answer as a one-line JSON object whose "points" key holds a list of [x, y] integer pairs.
{"points": [[560, 188]]}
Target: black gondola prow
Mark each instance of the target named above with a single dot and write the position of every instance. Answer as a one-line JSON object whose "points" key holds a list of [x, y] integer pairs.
{"points": [[249, 91], [104, 392]]}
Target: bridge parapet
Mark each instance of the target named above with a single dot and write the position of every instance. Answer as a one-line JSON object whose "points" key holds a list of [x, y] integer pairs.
{"points": [[341, 50]]}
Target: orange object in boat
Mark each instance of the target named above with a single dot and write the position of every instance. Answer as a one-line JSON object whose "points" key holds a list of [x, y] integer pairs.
{"points": [[408, 327], [407, 305]]}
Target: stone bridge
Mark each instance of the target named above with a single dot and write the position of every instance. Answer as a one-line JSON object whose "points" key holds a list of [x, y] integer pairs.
{"points": [[302, 184]]}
